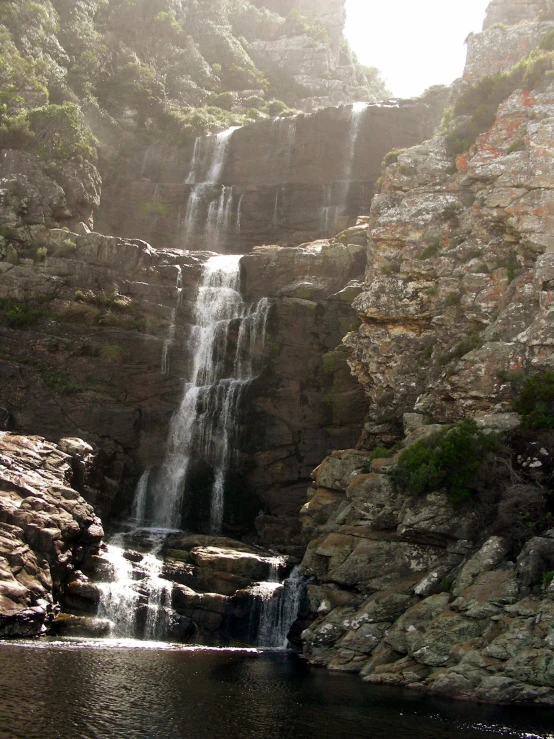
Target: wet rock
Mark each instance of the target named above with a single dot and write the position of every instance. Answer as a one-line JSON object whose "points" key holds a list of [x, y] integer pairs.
{"points": [[81, 626]]}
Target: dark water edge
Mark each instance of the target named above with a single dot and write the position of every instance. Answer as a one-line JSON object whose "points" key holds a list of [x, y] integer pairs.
{"points": [[103, 690]]}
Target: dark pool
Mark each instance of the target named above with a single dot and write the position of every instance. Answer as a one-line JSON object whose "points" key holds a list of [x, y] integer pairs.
{"points": [[101, 691]]}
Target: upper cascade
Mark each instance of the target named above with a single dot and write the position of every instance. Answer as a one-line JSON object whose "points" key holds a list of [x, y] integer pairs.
{"points": [[288, 180]]}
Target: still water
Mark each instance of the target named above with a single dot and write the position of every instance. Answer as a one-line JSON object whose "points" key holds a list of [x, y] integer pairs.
{"points": [[97, 690]]}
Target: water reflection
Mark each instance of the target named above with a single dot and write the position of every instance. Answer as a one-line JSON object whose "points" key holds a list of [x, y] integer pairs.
{"points": [[98, 691]]}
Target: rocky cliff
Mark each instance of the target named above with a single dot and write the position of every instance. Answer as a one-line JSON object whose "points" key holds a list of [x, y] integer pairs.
{"points": [[47, 529], [428, 573]]}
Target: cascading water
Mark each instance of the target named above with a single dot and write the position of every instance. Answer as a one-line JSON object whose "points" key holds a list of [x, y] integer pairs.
{"points": [[119, 597], [219, 220], [205, 213], [205, 423], [329, 212], [283, 140], [278, 605], [356, 115], [335, 204], [136, 586]]}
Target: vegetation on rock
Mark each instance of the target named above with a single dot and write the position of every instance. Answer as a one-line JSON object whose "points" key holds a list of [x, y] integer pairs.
{"points": [[164, 68], [535, 402], [451, 459], [479, 103]]}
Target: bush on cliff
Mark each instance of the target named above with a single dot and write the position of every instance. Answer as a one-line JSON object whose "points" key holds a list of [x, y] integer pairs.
{"points": [[21, 314], [451, 459], [480, 101], [535, 402]]}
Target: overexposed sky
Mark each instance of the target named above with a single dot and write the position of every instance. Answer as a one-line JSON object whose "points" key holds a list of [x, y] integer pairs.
{"points": [[415, 43]]}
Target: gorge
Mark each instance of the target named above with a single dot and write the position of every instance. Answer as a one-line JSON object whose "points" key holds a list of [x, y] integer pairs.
{"points": [[285, 383]]}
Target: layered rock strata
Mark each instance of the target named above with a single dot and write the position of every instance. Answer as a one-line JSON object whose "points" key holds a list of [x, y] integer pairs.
{"points": [[411, 591], [47, 529], [457, 287], [283, 181]]}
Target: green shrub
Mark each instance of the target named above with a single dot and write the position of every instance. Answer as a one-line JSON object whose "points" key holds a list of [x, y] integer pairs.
{"points": [[56, 380], [511, 264], [453, 299], [535, 402], [381, 452], [548, 577], [451, 459], [20, 314], [480, 102], [60, 133], [518, 145], [67, 249], [391, 157], [472, 341]]}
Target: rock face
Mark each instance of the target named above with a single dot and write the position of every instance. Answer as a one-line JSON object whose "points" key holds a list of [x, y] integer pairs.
{"points": [[285, 181], [457, 285], [306, 402], [86, 327], [47, 529], [407, 595], [411, 590], [84, 324]]}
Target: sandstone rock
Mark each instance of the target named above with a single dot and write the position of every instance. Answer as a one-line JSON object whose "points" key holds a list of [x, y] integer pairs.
{"points": [[433, 520], [337, 471], [47, 529]]}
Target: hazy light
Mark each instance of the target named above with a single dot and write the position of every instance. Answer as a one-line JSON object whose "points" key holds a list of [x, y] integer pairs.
{"points": [[415, 43]]}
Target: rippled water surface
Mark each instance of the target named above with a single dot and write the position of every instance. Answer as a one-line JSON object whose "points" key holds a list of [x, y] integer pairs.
{"points": [[103, 691]]}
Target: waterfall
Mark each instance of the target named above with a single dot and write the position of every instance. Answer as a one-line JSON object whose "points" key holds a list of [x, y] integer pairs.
{"points": [[168, 343], [219, 220], [278, 605], [219, 154], [119, 598], [191, 179], [206, 169], [329, 212], [141, 493], [134, 587], [239, 214], [158, 610], [204, 426], [283, 139], [357, 111]]}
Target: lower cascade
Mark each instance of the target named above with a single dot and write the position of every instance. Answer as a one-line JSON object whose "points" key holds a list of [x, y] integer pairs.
{"points": [[136, 600], [141, 566], [276, 609], [204, 426]]}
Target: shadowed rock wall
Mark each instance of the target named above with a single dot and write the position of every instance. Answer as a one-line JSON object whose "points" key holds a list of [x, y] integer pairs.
{"points": [[284, 181]]}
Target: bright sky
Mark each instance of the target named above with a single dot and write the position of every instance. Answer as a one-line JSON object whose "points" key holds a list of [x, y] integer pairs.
{"points": [[415, 43]]}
